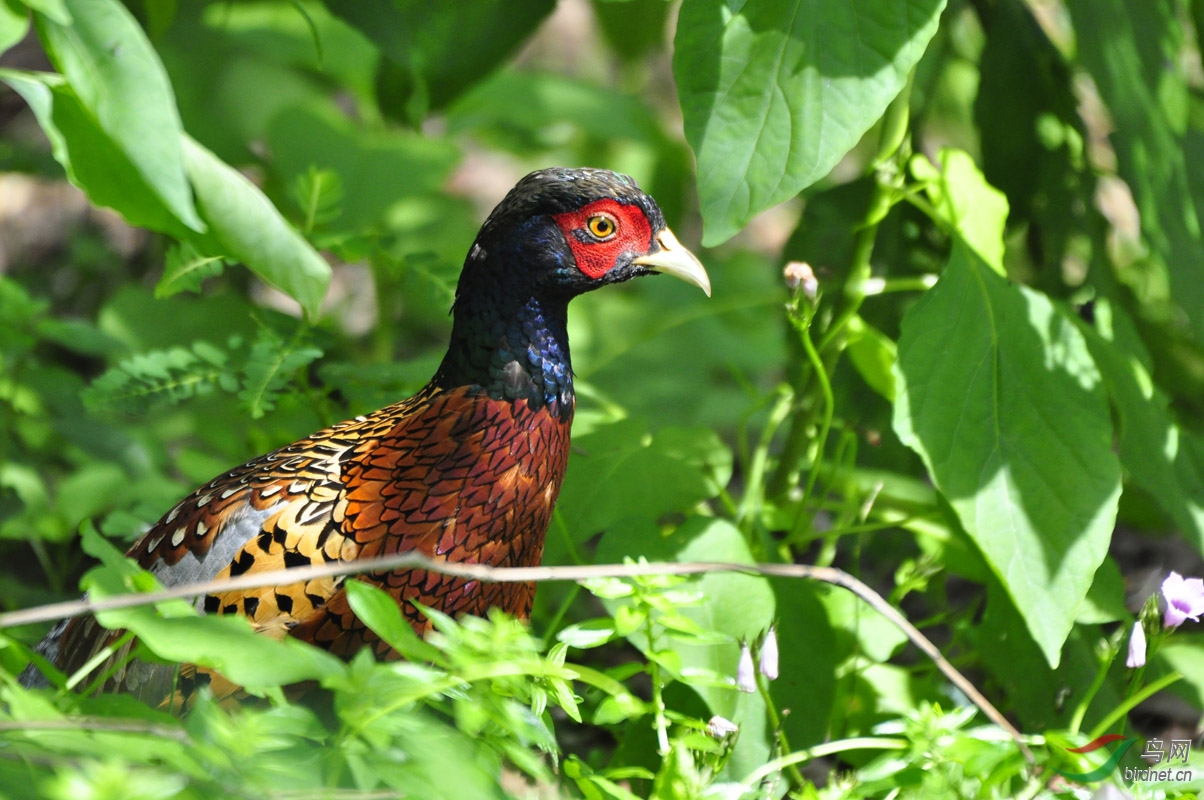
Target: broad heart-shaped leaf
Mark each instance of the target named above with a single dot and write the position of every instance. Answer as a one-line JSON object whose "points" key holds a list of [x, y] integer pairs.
{"points": [[775, 92], [245, 226], [999, 396], [117, 75]]}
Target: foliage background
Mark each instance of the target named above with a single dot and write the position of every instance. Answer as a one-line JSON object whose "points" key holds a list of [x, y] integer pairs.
{"points": [[1013, 454]]}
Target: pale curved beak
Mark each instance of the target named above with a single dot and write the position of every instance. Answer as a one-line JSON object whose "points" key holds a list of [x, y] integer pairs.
{"points": [[674, 259]]}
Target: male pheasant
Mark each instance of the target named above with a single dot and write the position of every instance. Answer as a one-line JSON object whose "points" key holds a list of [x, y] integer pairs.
{"points": [[466, 470]]}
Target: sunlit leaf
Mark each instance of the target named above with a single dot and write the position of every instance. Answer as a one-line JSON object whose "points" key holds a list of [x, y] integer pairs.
{"points": [[1000, 397], [122, 86], [248, 228], [774, 93]]}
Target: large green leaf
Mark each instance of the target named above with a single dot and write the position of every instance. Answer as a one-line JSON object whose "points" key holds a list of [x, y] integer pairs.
{"points": [[14, 22], [248, 228], [999, 396], [92, 159], [122, 85], [775, 92]]}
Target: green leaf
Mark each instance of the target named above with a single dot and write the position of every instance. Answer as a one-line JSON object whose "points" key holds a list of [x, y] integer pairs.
{"points": [[873, 354], [775, 92], [171, 375], [632, 29], [122, 85], [999, 396], [54, 9], [965, 202], [365, 166], [185, 269], [94, 162], [14, 22], [269, 368], [533, 102], [1159, 455], [318, 193], [248, 228], [437, 50], [378, 610], [591, 633]]}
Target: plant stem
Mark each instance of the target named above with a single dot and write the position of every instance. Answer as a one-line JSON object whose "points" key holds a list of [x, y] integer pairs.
{"points": [[1132, 702], [658, 698], [821, 750], [832, 342], [825, 387], [1076, 721], [754, 495], [797, 782]]}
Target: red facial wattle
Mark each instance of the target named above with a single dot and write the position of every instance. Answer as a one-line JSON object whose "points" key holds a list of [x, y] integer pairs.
{"points": [[596, 256]]}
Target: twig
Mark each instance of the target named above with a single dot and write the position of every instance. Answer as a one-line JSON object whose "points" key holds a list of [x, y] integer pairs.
{"points": [[481, 572]]}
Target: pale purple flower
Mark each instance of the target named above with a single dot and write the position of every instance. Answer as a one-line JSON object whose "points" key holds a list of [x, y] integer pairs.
{"points": [[769, 655], [719, 728], [1184, 599], [746, 678], [1136, 647]]}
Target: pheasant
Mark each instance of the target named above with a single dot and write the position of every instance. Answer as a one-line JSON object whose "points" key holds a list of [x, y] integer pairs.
{"points": [[466, 470]]}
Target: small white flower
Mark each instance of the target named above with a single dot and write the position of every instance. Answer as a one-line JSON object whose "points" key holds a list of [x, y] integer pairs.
{"points": [[746, 678], [1136, 647], [718, 727], [769, 655]]}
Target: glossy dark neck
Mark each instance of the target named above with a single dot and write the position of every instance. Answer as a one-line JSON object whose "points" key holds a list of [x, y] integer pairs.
{"points": [[511, 344]]}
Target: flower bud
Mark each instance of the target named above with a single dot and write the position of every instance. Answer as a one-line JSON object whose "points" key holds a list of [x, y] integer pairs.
{"points": [[1136, 647], [769, 655], [746, 678], [799, 274]]}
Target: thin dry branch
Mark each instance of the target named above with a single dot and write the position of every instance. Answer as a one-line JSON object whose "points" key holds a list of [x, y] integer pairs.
{"points": [[836, 577]]}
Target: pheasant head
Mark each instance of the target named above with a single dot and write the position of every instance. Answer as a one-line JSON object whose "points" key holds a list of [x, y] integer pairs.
{"points": [[557, 234]]}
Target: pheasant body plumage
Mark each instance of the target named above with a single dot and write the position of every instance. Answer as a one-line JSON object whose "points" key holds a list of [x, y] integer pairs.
{"points": [[468, 469]]}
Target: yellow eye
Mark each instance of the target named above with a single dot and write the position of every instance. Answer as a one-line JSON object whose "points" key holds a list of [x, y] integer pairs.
{"points": [[601, 225]]}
